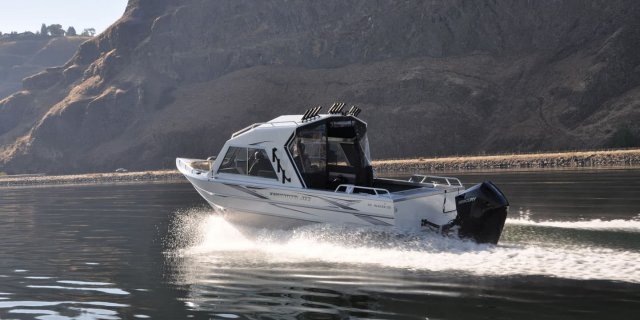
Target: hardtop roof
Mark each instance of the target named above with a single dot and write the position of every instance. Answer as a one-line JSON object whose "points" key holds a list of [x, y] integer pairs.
{"points": [[292, 122]]}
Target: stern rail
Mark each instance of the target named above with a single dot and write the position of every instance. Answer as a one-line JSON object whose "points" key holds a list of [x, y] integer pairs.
{"points": [[449, 181], [353, 189]]}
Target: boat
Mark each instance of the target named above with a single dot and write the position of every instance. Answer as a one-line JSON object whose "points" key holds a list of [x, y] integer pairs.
{"points": [[296, 170]]}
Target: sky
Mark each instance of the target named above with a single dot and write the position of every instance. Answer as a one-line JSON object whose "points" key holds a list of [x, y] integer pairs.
{"points": [[29, 15]]}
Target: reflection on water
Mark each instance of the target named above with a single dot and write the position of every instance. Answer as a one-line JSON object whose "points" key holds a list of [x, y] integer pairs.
{"points": [[86, 252], [570, 249]]}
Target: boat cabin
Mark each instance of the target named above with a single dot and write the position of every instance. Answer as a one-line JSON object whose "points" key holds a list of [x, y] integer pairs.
{"points": [[316, 151], [332, 151]]}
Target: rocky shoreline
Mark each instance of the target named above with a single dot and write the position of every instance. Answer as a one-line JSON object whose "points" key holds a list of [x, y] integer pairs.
{"points": [[613, 158], [579, 159], [91, 178]]}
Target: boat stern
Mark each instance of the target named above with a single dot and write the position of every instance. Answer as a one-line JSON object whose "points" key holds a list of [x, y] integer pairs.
{"points": [[481, 213], [478, 213]]}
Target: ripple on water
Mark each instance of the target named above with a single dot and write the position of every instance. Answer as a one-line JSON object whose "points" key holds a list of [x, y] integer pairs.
{"points": [[114, 291], [82, 309], [36, 304], [84, 313], [85, 283]]}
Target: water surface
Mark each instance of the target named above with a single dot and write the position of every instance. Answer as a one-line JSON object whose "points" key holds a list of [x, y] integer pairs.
{"points": [[570, 249]]}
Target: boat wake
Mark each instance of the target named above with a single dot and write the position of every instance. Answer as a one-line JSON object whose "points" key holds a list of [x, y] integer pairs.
{"points": [[631, 225], [203, 234]]}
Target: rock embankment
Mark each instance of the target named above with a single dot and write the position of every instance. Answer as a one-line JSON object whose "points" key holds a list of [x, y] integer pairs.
{"points": [[538, 160], [91, 178]]}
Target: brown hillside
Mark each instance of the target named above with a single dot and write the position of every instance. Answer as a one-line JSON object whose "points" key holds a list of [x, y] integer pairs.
{"points": [[175, 78], [22, 58]]}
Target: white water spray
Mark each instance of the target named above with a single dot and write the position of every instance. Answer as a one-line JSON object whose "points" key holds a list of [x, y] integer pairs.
{"points": [[632, 225], [209, 234]]}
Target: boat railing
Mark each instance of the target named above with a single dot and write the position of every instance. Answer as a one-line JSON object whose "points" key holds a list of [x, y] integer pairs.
{"points": [[257, 124], [449, 181], [353, 189]]}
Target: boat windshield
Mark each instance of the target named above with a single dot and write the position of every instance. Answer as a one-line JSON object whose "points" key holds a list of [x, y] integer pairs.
{"points": [[333, 152], [247, 161]]}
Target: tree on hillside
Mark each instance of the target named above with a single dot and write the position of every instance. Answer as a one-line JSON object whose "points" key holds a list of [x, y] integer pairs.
{"points": [[88, 32], [43, 30], [55, 30], [71, 31]]}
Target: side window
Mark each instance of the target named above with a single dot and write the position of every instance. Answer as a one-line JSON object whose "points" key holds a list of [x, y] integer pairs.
{"points": [[251, 161], [235, 161], [259, 164], [310, 155]]}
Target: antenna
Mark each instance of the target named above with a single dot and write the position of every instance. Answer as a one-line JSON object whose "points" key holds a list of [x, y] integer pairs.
{"points": [[336, 108], [333, 108], [311, 113], [353, 111], [306, 114]]}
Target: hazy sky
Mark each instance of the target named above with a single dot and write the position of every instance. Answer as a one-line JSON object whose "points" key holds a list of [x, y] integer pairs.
{"points": [[28, 15]]}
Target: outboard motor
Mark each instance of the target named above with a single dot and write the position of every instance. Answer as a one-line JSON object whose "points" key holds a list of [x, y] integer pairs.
{"points": [[482, 210]]}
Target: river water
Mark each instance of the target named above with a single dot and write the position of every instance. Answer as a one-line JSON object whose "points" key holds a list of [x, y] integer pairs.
{"points": [[570, 249]]}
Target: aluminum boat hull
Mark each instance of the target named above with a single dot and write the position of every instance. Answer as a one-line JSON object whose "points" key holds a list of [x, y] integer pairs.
{"points": [[267, 206], [316, 168]]}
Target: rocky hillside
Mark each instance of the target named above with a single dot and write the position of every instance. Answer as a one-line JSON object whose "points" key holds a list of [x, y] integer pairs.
{"points": [[175, 78], [24, 57]]}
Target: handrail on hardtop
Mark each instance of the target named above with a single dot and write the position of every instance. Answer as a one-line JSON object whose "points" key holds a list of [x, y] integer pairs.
{"points": [[257, 124], [420, 178], [350, 188]]}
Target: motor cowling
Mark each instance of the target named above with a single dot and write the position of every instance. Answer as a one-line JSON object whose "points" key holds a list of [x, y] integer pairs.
{"points": [[482, 211]]}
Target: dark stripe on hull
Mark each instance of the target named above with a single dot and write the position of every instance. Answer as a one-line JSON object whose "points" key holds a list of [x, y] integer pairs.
{"points": [[338, 207], [260, 220], [268, 209], [301, 208], [246, 190]]}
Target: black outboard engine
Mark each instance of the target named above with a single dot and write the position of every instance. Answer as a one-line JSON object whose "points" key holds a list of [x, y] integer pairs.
{"points": [[482, 210]]}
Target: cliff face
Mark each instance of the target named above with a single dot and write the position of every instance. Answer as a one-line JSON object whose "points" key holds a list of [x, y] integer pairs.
{"points": [[175, 78], [20, 58]]}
